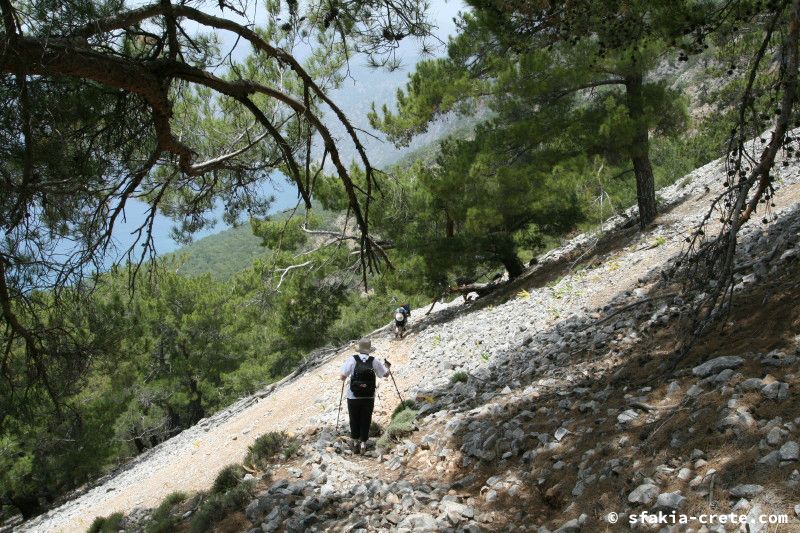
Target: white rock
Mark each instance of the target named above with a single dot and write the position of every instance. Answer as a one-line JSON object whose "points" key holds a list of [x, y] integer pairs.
{"points": [[774, 436], [742, 505], [643, 493], [772, 458], [776, 391], [670, 500], [746, 491], [627, 416], [419, 522], [694, 390], [754, 525], [790, 451], [752, 384], [458, 508], [717, 365]]}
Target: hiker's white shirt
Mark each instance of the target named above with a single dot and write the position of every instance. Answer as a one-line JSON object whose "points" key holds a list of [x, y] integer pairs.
{"points": [[350, 365]]}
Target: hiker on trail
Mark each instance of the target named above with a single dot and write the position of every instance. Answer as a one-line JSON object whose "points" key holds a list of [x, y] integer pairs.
{"points": [[362, 368], [401, 315]]}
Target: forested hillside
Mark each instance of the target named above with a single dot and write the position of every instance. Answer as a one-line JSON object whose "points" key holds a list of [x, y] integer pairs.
{"points": [[554, 119], [221, 255]]}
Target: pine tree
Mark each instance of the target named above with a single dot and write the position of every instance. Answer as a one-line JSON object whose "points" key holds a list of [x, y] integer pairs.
{"points": [[541, 55]]}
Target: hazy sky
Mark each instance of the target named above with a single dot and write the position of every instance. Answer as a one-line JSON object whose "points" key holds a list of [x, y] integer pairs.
{"points": [[354, 97]]}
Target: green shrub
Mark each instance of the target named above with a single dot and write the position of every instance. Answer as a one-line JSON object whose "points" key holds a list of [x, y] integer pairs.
{"points": [[210, 511], [291, 449], [162, 520], [402, 424], [106, 524], [407, 404], [265, 448], [459, 377], [237, 497], [228, 478], [375, 429], [218, 505]]}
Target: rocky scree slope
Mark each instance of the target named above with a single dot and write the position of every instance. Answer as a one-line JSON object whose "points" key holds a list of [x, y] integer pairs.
{"points": [[567, 412]]}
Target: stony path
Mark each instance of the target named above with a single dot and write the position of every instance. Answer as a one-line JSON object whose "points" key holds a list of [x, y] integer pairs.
{"points": [[191, 460], [424, 362]]}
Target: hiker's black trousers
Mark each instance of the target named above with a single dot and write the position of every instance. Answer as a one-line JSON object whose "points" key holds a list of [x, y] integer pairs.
{"points": [[360, 412]]}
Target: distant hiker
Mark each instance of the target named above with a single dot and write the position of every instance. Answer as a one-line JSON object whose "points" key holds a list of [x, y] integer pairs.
{"points": [[401, 315], [362, 368]]}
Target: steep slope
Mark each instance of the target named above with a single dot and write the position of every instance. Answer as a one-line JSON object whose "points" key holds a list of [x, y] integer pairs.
{"points": [[567, 413], [222, 254]]}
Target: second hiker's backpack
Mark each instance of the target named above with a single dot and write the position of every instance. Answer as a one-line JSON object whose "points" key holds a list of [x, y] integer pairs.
{"points": [[362, 382]]}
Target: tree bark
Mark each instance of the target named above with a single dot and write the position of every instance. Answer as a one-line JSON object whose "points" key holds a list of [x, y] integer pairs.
{"points": [[27, 504], [508, 256], [196, 412], [640, 151], [514, 266], [139, 443]]}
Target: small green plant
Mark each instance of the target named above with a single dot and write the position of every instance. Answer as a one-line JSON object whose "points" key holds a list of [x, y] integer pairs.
{"points": [[437, 340], [560, 291], [265, 448], [485, 356], [218, 505], [238, 496], [523, 295], [660, 241], [106, 524], [401, 424], [209, 512], [228, 478], [459, 377], [375, 429], [407, 404], [162, 520], [291, 449]]}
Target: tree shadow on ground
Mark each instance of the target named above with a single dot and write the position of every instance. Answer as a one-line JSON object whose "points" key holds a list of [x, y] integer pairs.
{"points": [[596, 465], [544, 477]]}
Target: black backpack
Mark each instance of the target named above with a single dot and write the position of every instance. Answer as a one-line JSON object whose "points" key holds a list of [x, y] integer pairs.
{"points": [[362, 383]]}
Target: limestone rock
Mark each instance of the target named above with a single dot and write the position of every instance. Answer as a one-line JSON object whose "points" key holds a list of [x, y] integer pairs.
{"points": [[643, 494], [746, 491], [717, 365], [670, 500]]}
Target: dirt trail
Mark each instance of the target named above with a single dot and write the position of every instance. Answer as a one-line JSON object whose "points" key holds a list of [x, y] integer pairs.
{"points": [[188, 465], [195, 464]]}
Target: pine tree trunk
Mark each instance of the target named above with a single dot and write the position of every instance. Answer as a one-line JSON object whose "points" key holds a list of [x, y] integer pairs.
{"points": [[508, 256], [139, 443], [514, 266], [640, 151], [196, 412], [27, 504], [451, 226]]}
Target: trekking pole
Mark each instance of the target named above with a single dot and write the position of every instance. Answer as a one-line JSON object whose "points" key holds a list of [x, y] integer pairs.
{"points": [[391, 375], [338, 412]]}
